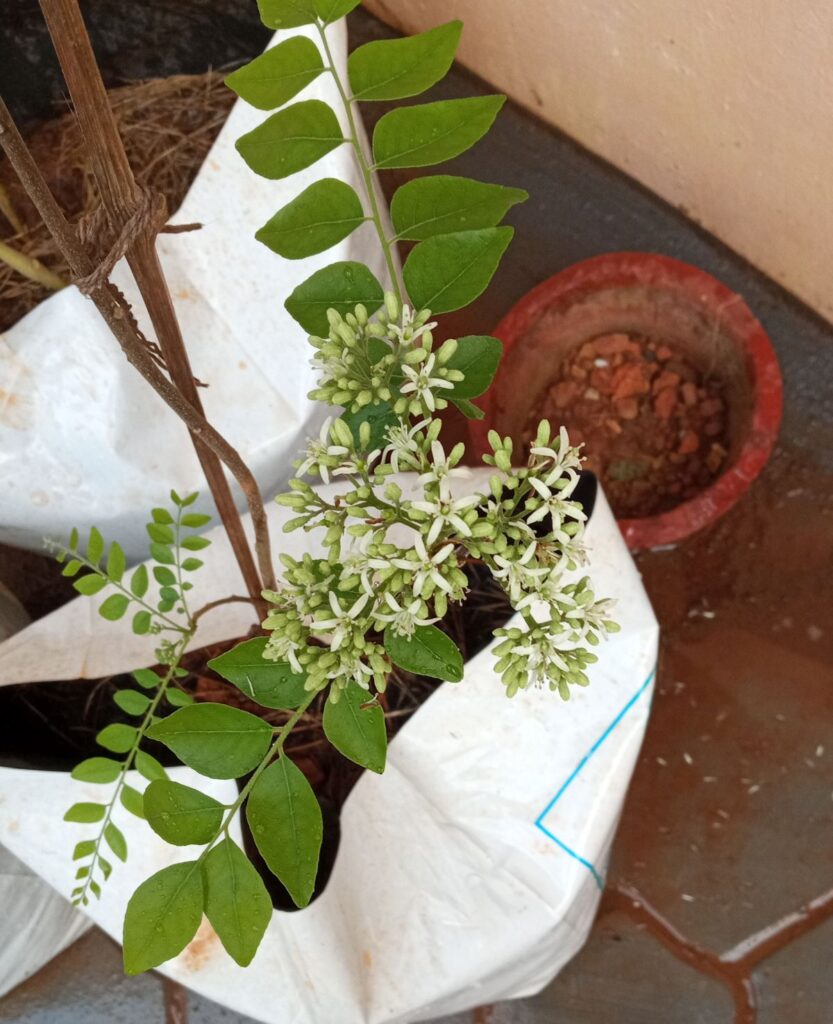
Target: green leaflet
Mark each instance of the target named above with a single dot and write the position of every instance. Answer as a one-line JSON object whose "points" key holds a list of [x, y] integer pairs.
{"points": [[291, 140], [391, 69], [139, 581], [477, 356], [116, 562], [286, 13], [181, 815], [331, 10], [277, 75], [100, 770], [131, 701], [268, 683], [286, 823], [162, 916], [114, 607], [429, 652], [116, 841], [340, 286], [317, 219], [236, 901], [132, 800], [85, 813], [117, 737], [449, 271], [215, 740], [432, 132], [149, 767], [357, 732], [442, 204]]}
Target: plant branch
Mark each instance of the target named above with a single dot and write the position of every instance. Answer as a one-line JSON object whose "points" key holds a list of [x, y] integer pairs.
{"points": [[364, 167], [232, 599], [121, 199], [117, 314]]}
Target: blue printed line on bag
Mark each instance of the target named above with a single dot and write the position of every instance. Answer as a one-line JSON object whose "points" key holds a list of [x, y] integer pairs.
{"points": [[539, 821]]}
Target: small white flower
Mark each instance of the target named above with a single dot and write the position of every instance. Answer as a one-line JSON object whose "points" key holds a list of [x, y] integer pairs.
{"points": [[404, 620], [556, 505], [343, 620], [427, 567], [318, 450], [406, 334], [517, 574], [357, 464], [440, 471], [420, 383], [446, 512], [404, 445], [281, 648]]}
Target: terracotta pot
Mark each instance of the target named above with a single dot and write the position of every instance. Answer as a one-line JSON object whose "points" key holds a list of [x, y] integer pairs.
{"points": [[656, 296]]}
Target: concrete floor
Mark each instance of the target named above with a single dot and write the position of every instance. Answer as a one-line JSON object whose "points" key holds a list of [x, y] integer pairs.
{"points": [[721, 886]]}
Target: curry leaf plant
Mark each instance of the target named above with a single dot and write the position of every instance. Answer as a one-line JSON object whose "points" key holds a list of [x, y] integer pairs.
{"points": [[387, 552]]}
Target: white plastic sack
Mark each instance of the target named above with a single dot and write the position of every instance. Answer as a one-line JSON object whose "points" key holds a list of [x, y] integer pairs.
{"points": [[83, 439], [469, 872]]}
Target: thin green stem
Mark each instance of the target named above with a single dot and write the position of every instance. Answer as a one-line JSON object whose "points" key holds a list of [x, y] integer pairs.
{"points": [[128, 593], [178, 550], [365, 168], [129, 759]]}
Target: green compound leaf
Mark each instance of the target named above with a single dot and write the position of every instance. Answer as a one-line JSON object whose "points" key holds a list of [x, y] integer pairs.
{"points": [[162, 916], [271, 684], [179, 698], [277, 75], [286, 13], [215, 740], [432, 132], [442, 204], [449, 271], [286, 823], [340, 286], [100, 770], [429, 652], [160, 532], [161, 515], [331, 10], [131, 701], [89, 585], [85, 813], [149, 767], [236, 901], [117, 737], [116, 841], [321, 216], [357, 732], [392, 69], [139, 581], [291, 140], [181, 815], [132, 800], [477, 356]]}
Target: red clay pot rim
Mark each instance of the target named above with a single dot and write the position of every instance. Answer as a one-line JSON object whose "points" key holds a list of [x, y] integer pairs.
{"points": [[631, 268]]}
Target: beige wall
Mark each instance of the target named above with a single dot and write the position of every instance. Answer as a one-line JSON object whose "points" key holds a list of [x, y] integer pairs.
{"points": [[723, 107]]}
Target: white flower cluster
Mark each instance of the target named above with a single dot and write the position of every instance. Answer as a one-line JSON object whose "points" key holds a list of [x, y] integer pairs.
{"points": [[331, 616]]}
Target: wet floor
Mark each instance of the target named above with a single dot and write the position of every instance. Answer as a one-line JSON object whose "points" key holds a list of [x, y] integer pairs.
{"points": [[719, 894]]}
